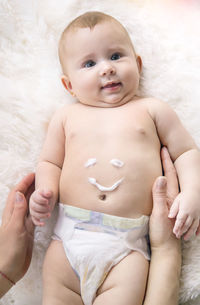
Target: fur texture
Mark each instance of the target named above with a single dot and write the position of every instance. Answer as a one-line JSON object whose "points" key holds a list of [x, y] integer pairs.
{"points": [[167, 38]]}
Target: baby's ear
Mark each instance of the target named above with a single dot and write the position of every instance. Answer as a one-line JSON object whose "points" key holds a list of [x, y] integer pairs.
{"points": [[139, 63], [66, 82]]}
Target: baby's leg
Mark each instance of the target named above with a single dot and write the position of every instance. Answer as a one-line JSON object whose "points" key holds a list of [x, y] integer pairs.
{"points": [[61, 286], [126, 282]]}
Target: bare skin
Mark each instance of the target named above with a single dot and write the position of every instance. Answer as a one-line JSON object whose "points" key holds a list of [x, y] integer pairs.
{"points": [[164, 273], [109, 71], [165, 265], [110, 121], [136, 133], [16, 234]]}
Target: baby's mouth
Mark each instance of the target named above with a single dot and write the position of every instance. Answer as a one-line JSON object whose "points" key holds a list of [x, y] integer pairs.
{"points": [[111, 85]]}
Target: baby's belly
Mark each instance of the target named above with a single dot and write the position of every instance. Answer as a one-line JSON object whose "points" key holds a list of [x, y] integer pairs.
{"points": [[123, 191]]}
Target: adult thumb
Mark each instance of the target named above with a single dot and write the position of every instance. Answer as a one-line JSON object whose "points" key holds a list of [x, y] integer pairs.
{"points": [[20, 210], [159, 192]]}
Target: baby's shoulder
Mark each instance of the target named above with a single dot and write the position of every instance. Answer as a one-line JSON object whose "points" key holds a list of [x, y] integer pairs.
{"points": [[146, 101], [147, 104], [157, 108], [59, 116], [155, 105], [63, 111], [151, 102]]}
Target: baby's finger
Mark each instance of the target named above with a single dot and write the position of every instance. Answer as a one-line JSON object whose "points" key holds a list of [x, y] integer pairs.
{"points": [[40, 216], [198, 230], [40, 208], [38, 198], [186, 225], [37, 222], [192, 230], [174, 208], [46, 193], [180, 220]]}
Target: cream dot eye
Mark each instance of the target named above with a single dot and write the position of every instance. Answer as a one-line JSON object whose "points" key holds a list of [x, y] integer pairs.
{"points": [[117, 162], [90, 162]]}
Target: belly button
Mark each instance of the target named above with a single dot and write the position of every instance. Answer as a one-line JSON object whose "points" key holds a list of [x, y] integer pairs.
{"points": [[102, 197]]}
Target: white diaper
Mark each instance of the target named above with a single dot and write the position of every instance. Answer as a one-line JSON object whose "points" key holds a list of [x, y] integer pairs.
{"points": [[94, 242]]}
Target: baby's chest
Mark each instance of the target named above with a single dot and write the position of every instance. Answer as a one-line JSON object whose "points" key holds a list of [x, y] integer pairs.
{"points": [[112, 128]]}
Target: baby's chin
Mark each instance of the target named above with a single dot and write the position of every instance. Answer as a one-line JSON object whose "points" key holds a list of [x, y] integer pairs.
{"points": [[107, 103]]}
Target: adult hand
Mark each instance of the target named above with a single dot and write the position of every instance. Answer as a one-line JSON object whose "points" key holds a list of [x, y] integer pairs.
{"points": [[16, 231], [165, 264], [165, 189]]}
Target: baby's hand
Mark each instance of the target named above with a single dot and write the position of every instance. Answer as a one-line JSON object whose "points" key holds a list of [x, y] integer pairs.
{"points": [[186, 210], [40, 207]]}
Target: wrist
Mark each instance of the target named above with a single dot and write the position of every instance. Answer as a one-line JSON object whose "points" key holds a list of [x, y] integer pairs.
{"points": [[2, 274], [164, 275], [53, 201], [9, 271], [5, 283], [170, 260], [172, 248]]}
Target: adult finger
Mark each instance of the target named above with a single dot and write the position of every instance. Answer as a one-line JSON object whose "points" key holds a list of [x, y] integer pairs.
{"points": [[170, 174], [159, 195], [19, 212], [30, 190], [25, 183], [29, 225], [22, 187]]}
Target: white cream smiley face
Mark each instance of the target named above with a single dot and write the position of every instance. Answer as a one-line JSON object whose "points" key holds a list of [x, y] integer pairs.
{"points": [[114, 162]]}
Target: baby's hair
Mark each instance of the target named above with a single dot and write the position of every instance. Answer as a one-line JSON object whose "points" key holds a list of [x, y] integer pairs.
{"points": [[87, 20]]}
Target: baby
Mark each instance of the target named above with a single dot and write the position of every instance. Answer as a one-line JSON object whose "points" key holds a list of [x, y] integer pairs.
{"points": [[100, 159]]}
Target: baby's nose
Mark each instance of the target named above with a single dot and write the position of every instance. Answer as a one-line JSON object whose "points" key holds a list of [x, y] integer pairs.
{"points": [[107, 69]]}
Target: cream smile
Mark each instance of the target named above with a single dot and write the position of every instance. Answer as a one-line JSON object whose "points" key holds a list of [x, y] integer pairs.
{"points": [[104, 188]]}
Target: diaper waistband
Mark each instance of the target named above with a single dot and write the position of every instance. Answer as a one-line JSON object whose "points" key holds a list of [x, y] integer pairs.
{"points": [[121, 223]]}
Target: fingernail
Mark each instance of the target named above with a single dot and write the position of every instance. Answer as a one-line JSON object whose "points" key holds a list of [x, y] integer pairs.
{"points": [[165, 151], [18, 197], [161, 182]]}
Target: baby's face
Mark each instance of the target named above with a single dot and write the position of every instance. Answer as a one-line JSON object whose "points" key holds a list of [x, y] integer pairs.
{"points": [[100, 65]]}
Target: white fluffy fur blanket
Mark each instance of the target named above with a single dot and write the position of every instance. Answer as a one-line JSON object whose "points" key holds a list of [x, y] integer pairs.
{"points": [[167, 38]]}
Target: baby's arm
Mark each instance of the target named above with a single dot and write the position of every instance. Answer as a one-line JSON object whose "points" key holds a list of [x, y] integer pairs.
{"points": [[186, 157], [48, 170]]}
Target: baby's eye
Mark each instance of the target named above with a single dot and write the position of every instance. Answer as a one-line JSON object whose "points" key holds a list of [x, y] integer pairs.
{"points": [[89, 64], [115, 56]]}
